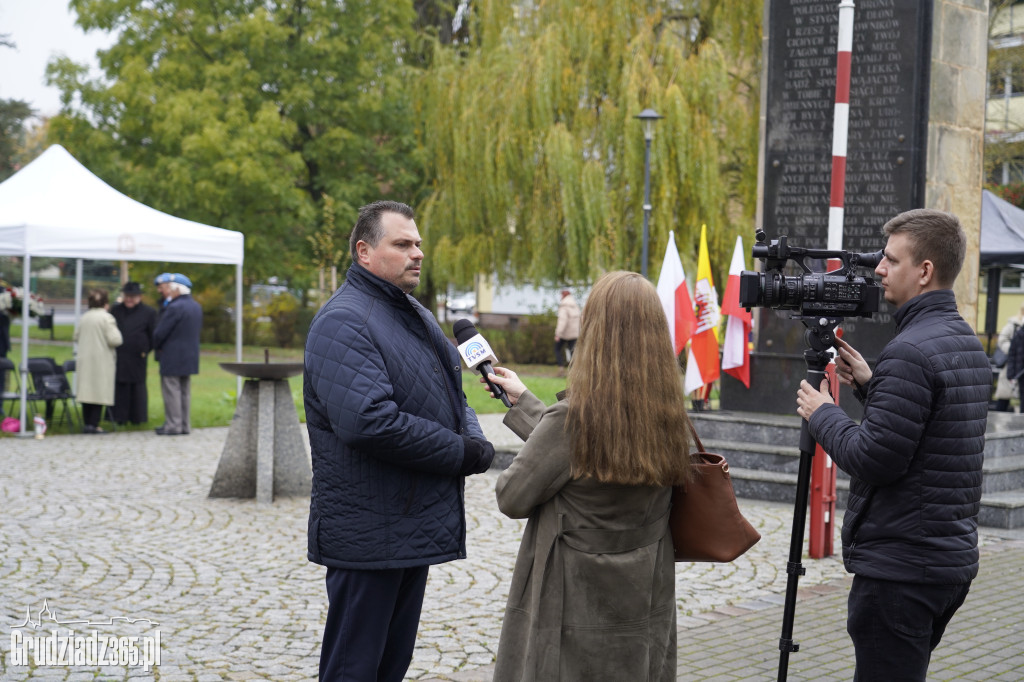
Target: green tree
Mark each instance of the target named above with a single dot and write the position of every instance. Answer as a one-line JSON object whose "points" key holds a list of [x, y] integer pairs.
{"points": [[13, 115], [537, 159], [245, 113]]}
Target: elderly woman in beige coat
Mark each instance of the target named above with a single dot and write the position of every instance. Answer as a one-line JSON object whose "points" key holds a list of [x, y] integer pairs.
{"points": [[98, 337], [593, 590]]}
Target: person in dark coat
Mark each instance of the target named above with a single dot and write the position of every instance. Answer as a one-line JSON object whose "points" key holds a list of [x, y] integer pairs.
{"points": [[176, 337], [910, 533], [5, 347], [5, 334], [392, 439], [137, 322]]}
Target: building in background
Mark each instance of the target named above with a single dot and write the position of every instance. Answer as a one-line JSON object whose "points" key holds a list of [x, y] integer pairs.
{"points": [[1004, 139]]}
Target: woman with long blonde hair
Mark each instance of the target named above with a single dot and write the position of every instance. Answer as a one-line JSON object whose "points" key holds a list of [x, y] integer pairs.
{"points": [[593, 590]]}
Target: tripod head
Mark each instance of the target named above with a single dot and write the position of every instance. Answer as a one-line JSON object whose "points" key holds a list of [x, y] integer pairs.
{"points": [[819, 336]]}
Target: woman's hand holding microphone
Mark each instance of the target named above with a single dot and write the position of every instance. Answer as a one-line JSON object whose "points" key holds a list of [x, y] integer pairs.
{"points": [[509, 381]]}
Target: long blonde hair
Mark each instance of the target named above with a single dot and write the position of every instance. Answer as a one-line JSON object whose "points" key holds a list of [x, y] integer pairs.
{"points": [[627, 413]]}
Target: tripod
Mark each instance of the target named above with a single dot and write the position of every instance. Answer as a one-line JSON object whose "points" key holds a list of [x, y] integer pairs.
{"points": [[819, 337]]}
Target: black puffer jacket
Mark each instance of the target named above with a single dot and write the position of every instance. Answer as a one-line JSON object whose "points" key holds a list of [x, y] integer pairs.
{"points": [[915, 459], [385, 410]]}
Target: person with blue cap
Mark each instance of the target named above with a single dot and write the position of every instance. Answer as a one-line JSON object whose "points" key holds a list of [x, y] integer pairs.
{"points": [[160, 282], [176, 338]]}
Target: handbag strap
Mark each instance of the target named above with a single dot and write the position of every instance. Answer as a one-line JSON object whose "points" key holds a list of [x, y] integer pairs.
{"points": [[693, 432]]}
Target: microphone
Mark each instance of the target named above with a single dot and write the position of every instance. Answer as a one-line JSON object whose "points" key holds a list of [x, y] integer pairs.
{"points": [[477, 354]]}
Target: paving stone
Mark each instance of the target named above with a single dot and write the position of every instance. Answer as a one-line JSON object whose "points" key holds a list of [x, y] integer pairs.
{"points": [[123, 527]]}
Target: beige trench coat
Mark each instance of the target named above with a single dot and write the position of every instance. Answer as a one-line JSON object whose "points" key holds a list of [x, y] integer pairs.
{"points": [[567, 325], [593, 590], [97, 337]]}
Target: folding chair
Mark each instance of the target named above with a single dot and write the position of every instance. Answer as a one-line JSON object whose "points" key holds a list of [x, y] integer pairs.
{"points": [[71, 366], [9, 392], [50, 384]]}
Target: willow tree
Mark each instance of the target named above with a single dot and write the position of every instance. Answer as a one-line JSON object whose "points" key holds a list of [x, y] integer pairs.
{"points": [[536, 156]]}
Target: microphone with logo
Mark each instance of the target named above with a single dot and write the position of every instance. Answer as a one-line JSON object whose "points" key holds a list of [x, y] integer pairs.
{"points": [[477, 354]]}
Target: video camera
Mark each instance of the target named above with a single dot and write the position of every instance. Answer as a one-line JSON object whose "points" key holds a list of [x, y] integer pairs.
{"points": [[839, 293]]}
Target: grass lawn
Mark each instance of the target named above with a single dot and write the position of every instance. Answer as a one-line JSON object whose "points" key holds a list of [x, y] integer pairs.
{"points": [[214, 390]]}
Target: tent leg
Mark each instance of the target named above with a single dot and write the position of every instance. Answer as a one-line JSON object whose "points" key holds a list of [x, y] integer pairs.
{"points": [[78, 315], [238, 326], [26, 281]]}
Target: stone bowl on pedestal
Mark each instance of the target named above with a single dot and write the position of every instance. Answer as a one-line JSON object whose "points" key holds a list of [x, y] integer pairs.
{"points": [[263, 370]]}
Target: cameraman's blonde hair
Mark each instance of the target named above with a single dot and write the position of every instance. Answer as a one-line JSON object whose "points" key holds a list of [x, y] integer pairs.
{"points": [[627, 414]]}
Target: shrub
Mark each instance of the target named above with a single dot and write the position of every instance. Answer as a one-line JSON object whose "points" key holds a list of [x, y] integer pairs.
{"points": [[251, 335], [283, 311], [530, 342], [218, 322]]}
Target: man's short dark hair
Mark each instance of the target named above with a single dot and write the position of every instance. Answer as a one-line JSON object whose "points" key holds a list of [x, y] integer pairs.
{"points": [[936, 236], [368, 228]]}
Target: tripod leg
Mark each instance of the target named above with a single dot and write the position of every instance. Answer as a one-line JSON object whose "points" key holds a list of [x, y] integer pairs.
{"points": [[795, 568]]}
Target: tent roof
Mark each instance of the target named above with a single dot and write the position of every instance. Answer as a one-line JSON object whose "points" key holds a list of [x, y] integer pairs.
{"points": [[56, 207], [1002, 231]]}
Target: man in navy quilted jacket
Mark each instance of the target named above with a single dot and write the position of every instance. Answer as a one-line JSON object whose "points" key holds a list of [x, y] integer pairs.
{"points": [[392, 441], [176, 339], [910, 533]]}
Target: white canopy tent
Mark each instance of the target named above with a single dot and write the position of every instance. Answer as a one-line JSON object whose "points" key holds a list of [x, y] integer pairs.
{"points": [[55, 207]]}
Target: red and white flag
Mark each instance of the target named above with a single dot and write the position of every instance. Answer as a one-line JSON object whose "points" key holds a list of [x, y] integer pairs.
{"points": [[702, 365], [675, 297], [736, 350]]}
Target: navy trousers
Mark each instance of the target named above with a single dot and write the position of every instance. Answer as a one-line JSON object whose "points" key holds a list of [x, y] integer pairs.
{"points": [[372, 620], [895, 626]]}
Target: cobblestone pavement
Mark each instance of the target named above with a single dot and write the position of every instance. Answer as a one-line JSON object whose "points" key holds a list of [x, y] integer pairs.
{"points": [[118, 528]]}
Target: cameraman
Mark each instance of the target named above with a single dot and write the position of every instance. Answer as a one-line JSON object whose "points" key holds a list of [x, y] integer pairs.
{"points": [[910, 534]]}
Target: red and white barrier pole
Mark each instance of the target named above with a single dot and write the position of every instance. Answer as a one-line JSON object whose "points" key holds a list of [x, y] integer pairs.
{"points": [[823, 470], [840, 126]]}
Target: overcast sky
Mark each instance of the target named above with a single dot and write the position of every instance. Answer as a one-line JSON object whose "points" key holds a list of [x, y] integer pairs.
{"points": [[42, 29]]}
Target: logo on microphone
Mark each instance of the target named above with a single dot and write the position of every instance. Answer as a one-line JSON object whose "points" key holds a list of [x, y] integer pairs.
{"points": [[476, 350]]}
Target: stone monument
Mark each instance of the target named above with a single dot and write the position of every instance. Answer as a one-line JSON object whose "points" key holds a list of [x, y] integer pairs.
{"points": [[916, 126]]}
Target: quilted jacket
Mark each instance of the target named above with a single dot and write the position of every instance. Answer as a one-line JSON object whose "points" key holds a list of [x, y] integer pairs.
{"points": [[385, 412], [915, 459], [177, 337]]}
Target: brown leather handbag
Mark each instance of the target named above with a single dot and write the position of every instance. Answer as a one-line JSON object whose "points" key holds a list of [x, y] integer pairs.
{"points": [[705, 520]]}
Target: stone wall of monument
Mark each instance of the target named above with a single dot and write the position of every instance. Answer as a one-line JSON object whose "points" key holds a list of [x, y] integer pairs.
{"points": [[956, 127]]}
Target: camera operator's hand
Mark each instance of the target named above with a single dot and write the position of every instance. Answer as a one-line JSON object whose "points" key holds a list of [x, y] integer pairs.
{"points": [[508, 380], [851, 366], [808, 399]]}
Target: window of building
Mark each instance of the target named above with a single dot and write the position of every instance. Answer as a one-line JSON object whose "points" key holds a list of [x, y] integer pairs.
{"points": [[1011, 282], [1007, 172], [1002, 83]]}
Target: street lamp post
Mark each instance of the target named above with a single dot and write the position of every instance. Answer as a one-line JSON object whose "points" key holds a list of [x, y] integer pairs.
{"points": [[649, 117]]}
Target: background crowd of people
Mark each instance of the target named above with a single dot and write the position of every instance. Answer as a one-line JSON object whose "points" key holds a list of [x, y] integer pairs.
{"points": [[113, 346]]}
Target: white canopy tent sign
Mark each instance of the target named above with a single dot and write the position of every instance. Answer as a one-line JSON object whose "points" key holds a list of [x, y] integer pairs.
{"points": [[56, 207]]}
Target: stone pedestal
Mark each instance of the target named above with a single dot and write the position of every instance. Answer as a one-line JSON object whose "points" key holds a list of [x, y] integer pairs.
{"points": [[264, 454]]}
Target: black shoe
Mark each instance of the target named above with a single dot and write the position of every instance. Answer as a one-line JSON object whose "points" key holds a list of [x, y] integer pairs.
{"points": [[161, 431], [88, 428]]}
